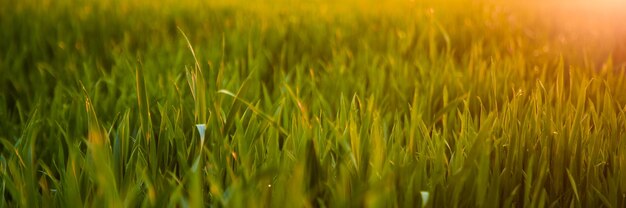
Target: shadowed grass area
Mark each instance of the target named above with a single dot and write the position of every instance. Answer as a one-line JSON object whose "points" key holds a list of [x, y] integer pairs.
{"points": [[307, 104]]}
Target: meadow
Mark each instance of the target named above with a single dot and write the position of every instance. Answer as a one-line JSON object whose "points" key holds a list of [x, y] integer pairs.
{"points": [[191, 103]]}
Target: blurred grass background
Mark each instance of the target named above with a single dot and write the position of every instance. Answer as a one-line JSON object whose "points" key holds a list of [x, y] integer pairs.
{"points": [[311, 103]]}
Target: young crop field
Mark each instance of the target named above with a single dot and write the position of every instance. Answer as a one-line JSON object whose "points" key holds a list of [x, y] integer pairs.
{"points": [[314, 103]]}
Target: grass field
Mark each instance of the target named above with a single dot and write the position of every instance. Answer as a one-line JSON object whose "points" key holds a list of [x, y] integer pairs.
{"points": [[188, 103]]}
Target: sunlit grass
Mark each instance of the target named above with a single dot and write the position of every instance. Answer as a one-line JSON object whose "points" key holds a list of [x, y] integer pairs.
{"points": [[308, 104]]}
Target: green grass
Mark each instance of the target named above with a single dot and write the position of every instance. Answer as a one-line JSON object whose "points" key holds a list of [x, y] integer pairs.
{"points": [[307, 104]]}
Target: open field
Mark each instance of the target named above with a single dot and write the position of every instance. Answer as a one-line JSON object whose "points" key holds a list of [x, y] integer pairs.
{"points": [[185, 103]]}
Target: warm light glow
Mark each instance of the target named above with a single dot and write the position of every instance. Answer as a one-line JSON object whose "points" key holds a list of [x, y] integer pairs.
{"points": [[584, 17], [602, 4]]}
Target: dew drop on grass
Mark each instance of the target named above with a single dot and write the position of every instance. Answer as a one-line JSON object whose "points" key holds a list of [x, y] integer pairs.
{"points": [[201, 131], [425, 196]]}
